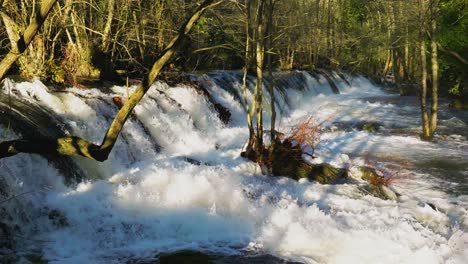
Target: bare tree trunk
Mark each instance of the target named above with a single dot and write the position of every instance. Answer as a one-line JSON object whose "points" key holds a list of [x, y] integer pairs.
{"points": [[72, 145], [260, 51], [270, 75], [435, 67], [244, 78], [423, 99], [423, 96], [108, 26]]}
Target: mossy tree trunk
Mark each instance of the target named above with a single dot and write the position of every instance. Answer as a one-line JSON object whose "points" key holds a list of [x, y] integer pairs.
{"points": [[72, 145], [20, 41]]}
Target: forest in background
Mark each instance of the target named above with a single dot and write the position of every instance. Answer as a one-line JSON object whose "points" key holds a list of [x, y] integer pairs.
{"points": [[108, 39]]}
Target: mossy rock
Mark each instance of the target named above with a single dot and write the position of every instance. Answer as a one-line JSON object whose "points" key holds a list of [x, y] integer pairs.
{"points": [[382, 192], [327, 174], [6, 236], [369, 127], [407, 89], [368, 173], [58, 218], [459, 104]]}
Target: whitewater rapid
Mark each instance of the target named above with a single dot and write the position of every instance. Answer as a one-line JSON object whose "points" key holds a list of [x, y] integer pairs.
{"points": [[175, 179]]}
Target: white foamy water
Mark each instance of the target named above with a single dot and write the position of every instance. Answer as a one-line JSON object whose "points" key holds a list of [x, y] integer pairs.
{"points": [[147, 198]]}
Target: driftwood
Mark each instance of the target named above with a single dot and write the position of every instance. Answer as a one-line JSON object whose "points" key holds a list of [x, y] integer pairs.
{"points": [[71, 145]]}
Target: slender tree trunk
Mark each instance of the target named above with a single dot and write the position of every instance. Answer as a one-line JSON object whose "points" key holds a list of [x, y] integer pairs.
{"points": [[271, 85], [435, 67], [426, 134], [423, 97], [72, 145], [260, 53], [108, 26], [249, 111]]}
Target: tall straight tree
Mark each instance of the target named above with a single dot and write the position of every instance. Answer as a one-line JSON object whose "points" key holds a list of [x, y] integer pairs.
{"points": [[434, 10], [255, 146], [428, 15]]}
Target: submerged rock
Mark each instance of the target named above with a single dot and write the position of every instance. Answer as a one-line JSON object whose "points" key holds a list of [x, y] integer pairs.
{"points": [[6, 236], [58, 218], [377, 184], [459, 104], [327, 174], [197, 257]]}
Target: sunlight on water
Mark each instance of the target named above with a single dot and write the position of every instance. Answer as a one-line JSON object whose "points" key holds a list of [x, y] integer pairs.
{"points": [[148, 200]]}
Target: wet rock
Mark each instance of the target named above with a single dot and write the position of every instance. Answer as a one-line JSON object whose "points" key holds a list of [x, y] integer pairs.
{"points": [[370, 127], [36, 259], [6, 236], [377, 184], [459, 104], [3, 188], [327, 174], [58, 218], [185, 256], [197, 257], [8, 257], [223, 113]]}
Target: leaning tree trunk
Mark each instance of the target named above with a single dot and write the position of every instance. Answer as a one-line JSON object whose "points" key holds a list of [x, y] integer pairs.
{"points": [[73, 145], [26, 38]]}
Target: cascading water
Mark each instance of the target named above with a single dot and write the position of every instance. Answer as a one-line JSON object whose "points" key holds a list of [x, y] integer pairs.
{"points": [[175, 179]]}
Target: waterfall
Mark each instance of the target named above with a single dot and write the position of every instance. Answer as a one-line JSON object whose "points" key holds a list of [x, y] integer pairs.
{"points": [[175, 180]]}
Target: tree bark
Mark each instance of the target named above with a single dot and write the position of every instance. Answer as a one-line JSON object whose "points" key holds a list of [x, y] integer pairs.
{"points": [[423, 96], [26, 38], [72, 145], [271, 85], [425, 119], [260, 53], [108, 26], [245, 73], [435, 67]]}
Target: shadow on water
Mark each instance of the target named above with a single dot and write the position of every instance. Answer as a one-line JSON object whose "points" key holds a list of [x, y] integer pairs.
{"points": [[445, 159], [33, 121]]}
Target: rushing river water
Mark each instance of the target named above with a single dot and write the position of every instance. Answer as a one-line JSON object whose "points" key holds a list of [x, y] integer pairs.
{"points": [[175, 180]]}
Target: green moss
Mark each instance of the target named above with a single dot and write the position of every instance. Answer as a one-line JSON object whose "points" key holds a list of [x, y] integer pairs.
{"points": [[368, 173], [302, 172], [369, 127], [459, 104], [56, 73], [327, 174]]}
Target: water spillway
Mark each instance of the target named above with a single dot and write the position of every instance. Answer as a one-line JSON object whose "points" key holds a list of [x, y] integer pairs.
{"points": [[175, 179]]}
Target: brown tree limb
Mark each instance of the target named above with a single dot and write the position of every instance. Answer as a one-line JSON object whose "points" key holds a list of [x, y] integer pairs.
{"points": [[72, 146], [453, 54]]}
